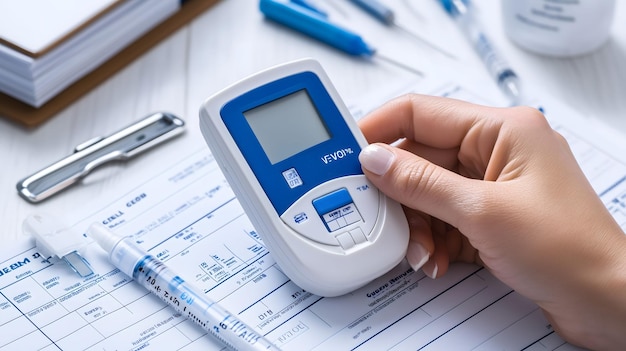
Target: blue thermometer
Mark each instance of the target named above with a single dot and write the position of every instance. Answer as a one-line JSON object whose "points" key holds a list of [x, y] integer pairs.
{"points": [[289, 148]]}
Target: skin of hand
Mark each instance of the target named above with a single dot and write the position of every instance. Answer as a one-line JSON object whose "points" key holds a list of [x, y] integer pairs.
{"points": [[500, 188]]}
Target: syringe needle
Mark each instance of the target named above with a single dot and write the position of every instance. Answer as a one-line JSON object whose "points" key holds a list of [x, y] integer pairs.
{"points": [[424, 41], [386, 16], [398, 64]]}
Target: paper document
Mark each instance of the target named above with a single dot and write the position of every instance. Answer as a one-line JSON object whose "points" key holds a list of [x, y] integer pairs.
{"points": [[69, 43], [188, 217], [29, 26]]}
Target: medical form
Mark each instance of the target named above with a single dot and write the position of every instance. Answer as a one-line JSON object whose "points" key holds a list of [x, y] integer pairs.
{"points": [[188, 217]]}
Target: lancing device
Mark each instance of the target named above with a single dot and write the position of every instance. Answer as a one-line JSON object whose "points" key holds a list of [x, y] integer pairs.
{"points": [[124, 144], [289, 148], [149, 272]]}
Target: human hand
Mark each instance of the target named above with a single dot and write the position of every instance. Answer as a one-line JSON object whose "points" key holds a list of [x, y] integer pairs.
{"points": [[500, 187]]}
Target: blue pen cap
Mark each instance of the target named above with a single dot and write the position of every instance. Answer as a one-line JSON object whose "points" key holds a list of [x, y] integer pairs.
{"points": [[315, 25], [451, 6]]}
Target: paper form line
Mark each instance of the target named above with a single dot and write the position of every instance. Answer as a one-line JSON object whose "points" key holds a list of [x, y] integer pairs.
{"points": [[613, 186], [458, 324], [420, 306]]}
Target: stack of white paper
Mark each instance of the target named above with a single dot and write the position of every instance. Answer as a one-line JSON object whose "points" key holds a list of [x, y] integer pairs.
{"points": [[45, 46]]}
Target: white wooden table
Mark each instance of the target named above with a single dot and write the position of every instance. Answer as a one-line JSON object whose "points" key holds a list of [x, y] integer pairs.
{"points": [[233, 40]]}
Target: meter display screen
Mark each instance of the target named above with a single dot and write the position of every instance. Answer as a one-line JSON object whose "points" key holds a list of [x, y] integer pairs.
{"points": [[287, 126]]}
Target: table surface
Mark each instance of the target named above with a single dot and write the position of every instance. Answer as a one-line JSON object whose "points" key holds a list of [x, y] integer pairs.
{"points": [[231, 41]]}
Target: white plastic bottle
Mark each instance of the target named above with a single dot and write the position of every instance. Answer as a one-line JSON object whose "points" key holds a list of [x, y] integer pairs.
{"points": [[558, 28]]}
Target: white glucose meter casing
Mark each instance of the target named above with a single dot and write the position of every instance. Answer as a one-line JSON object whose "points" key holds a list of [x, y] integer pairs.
{"points": [[289, 147]]}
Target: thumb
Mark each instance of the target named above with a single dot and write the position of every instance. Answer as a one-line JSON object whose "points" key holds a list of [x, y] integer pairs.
{"points": [[420, 184]]}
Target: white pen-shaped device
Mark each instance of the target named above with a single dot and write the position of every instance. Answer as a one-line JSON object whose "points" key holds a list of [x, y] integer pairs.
{"points": [[155, 276], [505, 77]]}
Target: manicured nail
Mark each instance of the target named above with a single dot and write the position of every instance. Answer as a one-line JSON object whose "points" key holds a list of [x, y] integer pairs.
{"points": [[416, 255], [431, 270], [376, 159]]}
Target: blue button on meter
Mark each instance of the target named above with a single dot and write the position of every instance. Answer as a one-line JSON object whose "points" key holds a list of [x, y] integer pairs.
{"points": [[332, 201], [289, 148], [337, 209]]}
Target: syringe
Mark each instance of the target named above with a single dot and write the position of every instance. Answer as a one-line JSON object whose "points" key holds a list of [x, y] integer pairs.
{"points": [[505, 77], [385, 15], [314, 23], [153, 275]]}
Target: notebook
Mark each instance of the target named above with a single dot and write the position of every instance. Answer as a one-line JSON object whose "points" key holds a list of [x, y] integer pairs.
{"points": [[168, 16]]}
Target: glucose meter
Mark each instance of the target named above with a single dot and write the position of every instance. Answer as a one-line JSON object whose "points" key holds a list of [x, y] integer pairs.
{"points": [[289, 148]]}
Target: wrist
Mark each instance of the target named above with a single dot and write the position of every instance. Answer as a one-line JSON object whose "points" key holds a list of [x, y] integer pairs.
{"points": [[611, 285], [597, 319]]}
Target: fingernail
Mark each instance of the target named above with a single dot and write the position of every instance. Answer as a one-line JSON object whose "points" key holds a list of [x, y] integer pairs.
{"points": [[416, 255], [376, 159], [431, 270]]}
